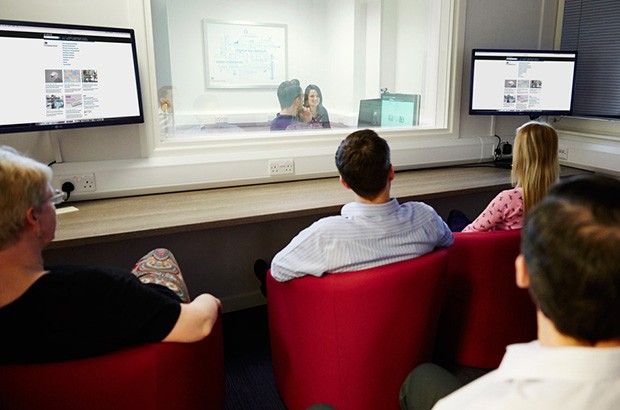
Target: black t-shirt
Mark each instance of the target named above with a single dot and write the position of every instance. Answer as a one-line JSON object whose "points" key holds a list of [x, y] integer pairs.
{"points": [[76, 311]]}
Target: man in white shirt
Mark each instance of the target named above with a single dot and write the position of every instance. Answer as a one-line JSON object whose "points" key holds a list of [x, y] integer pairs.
{"points": [[372, 231], [570, 263]]}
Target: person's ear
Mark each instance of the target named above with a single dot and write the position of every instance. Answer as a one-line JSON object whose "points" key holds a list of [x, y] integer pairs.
{"points": [[344, 184], [31, 216], [522, 276], [391, 173]]}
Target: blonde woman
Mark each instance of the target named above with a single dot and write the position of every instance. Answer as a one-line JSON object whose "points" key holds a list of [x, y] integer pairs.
{"points": [[534, 170]]}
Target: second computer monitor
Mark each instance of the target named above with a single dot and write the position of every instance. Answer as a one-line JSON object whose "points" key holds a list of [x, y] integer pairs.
{"points": [[391, 110]]}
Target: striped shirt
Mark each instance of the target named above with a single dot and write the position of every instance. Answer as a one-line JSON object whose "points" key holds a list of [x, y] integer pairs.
{"points": [[361, 237]]}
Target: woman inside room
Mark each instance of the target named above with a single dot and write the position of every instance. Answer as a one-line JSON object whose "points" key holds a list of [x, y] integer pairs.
{"points": [[313, 99], [68, 312], [535, 169]]}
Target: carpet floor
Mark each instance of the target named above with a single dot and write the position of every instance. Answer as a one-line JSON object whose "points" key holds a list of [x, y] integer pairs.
{"points": [[247, 355]]}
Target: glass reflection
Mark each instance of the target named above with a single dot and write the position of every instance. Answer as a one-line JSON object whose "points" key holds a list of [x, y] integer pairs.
{"points": [[220, 64]]}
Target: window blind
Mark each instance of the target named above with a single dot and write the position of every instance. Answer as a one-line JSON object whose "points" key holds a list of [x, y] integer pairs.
{"points": [[592, 28]]}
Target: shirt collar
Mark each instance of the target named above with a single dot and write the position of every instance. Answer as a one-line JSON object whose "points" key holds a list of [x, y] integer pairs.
{"points": [[353, 209], [533, 361]]}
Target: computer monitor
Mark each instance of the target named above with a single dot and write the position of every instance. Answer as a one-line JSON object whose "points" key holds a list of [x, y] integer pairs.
{"points": [[55, 76], [391, 110], [400, 110], [369, 113], [522, 82]]}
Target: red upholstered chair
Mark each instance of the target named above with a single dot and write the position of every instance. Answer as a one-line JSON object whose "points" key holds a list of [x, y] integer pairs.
{"points": [[151, 376], [484, 310], [350, 339]]}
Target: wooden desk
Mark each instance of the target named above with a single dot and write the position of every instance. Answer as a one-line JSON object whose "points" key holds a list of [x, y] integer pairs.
{"points": [[109, 220]]}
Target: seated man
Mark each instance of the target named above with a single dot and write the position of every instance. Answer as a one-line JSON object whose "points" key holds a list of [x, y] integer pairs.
{"points": [[570, 263], [372, 231], [292, 113], [69, 312]]}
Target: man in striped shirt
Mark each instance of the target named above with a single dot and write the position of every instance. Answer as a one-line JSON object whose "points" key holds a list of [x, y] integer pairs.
{"points": [[373, 230]]}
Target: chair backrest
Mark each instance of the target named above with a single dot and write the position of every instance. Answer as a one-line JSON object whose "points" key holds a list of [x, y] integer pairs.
{"points": [[350, 339], [484, 310], [150, 376]]}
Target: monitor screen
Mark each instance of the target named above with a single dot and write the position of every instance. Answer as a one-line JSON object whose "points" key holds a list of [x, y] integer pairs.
{"points": [[400, 110], [391, 110], [522, 82], [369, 113], [56, 76]]}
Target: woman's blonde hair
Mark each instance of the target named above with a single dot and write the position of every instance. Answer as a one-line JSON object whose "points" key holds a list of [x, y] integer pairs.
{"points": [[23, 185], [535, 164]]}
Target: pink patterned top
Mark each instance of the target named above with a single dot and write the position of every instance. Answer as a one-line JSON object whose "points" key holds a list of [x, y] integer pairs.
{"points": [[505, 212]]}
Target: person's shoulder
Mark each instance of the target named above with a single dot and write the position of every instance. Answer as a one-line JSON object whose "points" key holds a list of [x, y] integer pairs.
{"points": [[328, 222], [510, 195], [417, 206], [280, 122], [511, 191], [88, 274], [81, 284]]}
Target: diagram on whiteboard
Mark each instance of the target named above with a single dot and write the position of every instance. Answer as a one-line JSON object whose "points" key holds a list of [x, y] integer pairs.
{"points": [[244, 55]]}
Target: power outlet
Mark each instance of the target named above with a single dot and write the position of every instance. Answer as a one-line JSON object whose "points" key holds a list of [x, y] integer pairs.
{"points": [[563, 153], [81, 182], [281, 167]]}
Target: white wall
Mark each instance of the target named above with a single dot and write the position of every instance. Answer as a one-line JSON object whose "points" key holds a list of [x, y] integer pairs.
{"points": [[489, 23]]}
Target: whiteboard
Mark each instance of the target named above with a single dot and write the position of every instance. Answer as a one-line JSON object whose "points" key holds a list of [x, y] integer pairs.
{"points": [[244, 55]]}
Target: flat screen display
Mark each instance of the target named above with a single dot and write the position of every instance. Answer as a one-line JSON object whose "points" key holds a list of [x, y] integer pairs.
{"points": [[400, 110], [391, 110], [56, 76], [522, 82]]}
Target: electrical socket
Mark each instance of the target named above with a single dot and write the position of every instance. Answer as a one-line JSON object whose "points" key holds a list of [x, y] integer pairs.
{"points": [[563, 153], [81, 182], [281, 167]]}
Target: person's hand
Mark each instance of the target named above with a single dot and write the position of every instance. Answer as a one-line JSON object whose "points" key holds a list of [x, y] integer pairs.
{"points": [[208, 299], [196, 319], [305, 115], [165, 105]]}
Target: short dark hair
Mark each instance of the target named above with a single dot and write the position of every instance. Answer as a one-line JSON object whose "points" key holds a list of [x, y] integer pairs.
{"points": [[288, 91], [363, 161], [571, 246]]}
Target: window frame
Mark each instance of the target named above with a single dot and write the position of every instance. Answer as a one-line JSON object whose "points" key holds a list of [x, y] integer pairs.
{"points": [[313, 149]]}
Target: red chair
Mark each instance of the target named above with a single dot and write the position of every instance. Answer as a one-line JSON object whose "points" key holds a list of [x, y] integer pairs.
{"points": [[151, 376], [350, 339], [484, 310]]}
